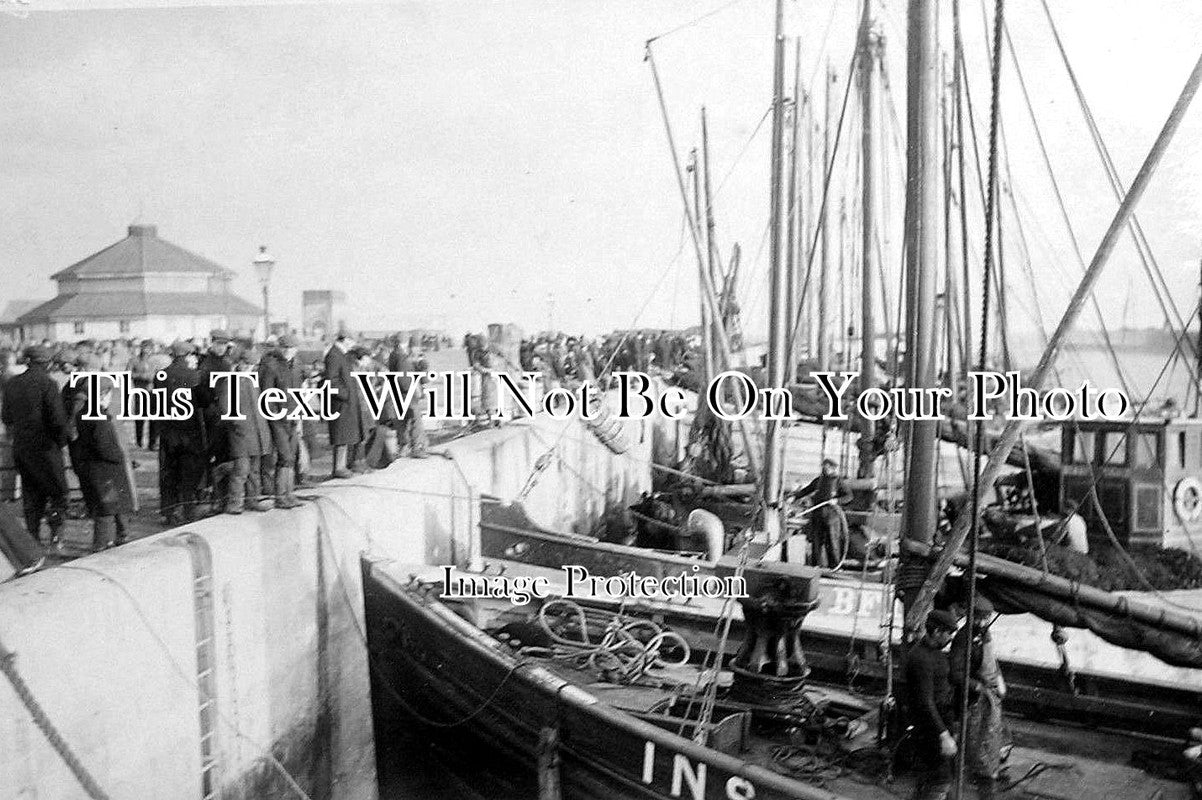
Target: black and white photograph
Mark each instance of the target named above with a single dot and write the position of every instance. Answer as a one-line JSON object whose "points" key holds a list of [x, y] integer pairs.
{"points": [[633, 399]]}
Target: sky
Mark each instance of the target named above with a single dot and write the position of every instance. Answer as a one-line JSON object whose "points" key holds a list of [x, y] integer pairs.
{"points": [[453, 163]]}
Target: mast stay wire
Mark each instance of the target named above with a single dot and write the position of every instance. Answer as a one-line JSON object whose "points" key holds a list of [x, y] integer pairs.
{"points": [[1072, 234], [693, 22], [820, 222], [1147, 257]]}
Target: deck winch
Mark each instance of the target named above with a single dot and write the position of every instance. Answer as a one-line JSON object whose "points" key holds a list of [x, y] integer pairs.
{"points": [[770, 667]]}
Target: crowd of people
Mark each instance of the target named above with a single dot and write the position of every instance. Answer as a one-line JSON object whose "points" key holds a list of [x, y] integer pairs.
{"points": [[564, 359], [208, 462]]}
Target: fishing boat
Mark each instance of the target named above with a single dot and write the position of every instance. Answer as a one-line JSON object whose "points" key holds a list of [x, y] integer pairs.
{"points": [[560, 696]]}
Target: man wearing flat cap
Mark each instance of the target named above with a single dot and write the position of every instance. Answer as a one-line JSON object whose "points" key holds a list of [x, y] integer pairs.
{"points": [[218, 358], [279, 369], [986, 689], [182, 442], [33, 413], [347, 428], [929, 703]]}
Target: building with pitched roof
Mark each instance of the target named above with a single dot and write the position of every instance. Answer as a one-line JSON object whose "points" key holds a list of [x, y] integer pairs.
{"points": [[140, 287]]}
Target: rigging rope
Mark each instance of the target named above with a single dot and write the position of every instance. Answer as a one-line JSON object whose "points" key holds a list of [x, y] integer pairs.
{"points": [[979, 444], [8, 665], [1064, 215], [826, 188], [1147, 259], [693, 22]]}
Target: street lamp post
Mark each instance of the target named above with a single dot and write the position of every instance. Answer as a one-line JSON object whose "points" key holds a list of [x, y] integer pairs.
{"points": [[263, 264]]}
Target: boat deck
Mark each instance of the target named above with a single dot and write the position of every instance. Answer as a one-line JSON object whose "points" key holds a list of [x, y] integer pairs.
{"points": [[1047, 760]]}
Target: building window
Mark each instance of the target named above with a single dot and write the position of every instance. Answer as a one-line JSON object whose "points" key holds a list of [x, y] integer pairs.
{"points": [[123, 326], [79, 327], [1181, 449]]}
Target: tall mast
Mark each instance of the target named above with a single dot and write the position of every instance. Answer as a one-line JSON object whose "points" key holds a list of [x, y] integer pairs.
{"points": [[707, 340], [922, 254], [778, 335], [824, 271], [711, 254], [794, 227], [870, 44]]}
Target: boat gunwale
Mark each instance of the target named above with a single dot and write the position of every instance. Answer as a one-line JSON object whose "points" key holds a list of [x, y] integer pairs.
{"points": [[565, 691]]}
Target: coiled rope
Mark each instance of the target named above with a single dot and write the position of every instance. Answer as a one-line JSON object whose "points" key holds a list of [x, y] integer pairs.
{"points": [[619, 654]]}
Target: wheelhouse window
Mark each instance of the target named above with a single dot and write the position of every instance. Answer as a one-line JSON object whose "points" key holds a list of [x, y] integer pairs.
{"points": [[1083, 447], [1148, 505], [1147, 449], [1112, 448]]}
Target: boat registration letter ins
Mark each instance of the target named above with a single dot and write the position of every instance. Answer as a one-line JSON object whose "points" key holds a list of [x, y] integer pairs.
{"points": [[684, 774]]}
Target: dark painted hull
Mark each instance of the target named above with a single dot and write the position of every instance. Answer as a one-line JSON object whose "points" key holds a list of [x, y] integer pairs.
{"points": [[1035, 690], [484, 712]]}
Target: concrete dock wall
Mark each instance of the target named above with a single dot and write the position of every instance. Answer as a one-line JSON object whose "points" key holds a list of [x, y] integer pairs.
{"points": [[226, 658]]}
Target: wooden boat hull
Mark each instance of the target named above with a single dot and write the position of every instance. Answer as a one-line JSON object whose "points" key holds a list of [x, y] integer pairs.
{"points": [[843, 634], [490, 717]]}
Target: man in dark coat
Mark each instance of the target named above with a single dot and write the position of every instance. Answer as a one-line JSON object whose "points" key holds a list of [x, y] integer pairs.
{"points": [[827, 527], [410, 428], [182, 442], [141, 369], [216, 359], [347, 429], [248, 463], [100, 462], [280, 370], [37, 422], [929, 704]]}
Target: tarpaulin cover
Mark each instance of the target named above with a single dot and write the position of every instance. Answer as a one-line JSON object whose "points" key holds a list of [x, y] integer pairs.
{"points": [[1177, 649]]}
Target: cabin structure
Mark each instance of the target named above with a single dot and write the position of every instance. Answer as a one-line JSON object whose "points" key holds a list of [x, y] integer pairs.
{"points": [[1146, 475]]}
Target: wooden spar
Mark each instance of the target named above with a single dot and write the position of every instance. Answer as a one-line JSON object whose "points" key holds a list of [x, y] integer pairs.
{"points": [[711, 253], [707, 342], [922, 258], [778, 334], [1150, 613], [792, 312], [707, 289], [917, 612], [822, 295], [870, 43]]}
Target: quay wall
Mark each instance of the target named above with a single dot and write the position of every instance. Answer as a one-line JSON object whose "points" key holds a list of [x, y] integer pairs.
{"points": [[226, 658]]}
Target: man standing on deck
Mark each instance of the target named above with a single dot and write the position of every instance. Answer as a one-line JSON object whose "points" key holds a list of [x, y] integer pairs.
{"points": [[929, 702], [827, 526], [986, 689]]}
